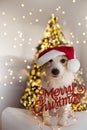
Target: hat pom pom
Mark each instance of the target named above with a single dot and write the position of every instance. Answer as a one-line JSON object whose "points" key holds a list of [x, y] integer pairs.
{"points": [[73, 65]]}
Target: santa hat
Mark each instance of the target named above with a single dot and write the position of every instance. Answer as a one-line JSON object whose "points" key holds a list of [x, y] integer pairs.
{"points": [[50, 53]]}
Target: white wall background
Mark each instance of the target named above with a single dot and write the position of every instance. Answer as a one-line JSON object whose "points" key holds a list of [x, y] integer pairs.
{"points": [[22, 23]]}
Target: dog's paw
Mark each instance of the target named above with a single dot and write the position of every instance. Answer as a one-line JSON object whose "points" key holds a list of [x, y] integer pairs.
{"points": [[51, 121], [66, 122], [63, 123], [47, 121]]}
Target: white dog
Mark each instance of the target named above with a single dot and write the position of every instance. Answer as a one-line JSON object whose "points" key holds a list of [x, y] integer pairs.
{"points": [[58, 72]]}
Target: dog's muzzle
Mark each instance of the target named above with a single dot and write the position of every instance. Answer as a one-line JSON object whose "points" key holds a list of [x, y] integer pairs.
{"points": [[55, 71]]}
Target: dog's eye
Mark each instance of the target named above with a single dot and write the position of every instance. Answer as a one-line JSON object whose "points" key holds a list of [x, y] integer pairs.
{"points": [[51, 60], [63, 60]]}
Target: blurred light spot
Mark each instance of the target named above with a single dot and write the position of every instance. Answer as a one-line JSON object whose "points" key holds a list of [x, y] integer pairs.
{"points": [[36, 20], [23, 17], [71, 43], [25, 61], [63, 12], [22, 5], [84, 41], [5, 33], [77, 41], [28, 67], [6, 64], [29, 43], [14, 19], [20, 81], [4, 24], [21, 44], [22, 39], [5, 76], [74, 1], [40, 10], [3, 13], [30, 39], [11, 60], [14, 46], [20, 77], [79, 24], [13, 77], [11, 82], [33, 49], [30, 13], [83, 33], [59, 7], [30, 23], [11, 73], [5, 84], [2, 97], [15, 39]]}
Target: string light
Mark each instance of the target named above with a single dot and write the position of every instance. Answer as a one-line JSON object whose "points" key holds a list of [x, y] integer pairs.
{"points": [[11, 82], [11, 60], [40, 10], [20, 44], [23, 17], [29, 43], [20, 34], [37, 20], [33, 49], [71, 43], [5, 33], [30, 13], [30, 23], [59, 7], [5, 84], [23, 39], [6, 64], [14, 19], [77, 41], [4, 24], [5, 76], [83, 33], [84, 41], [25, 61], [1, 98], [20, 77], [86, 18], [3, 13], [28, 67], [13, 77], [71, 33], [30, 39], [11, 73], [79, 24], [74, 1], [15, 39], [63, 12], [14, 46], [20, 81], [22, 5]]}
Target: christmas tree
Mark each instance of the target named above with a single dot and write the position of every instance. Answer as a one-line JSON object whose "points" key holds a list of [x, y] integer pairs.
{"points": [[53, 37]]}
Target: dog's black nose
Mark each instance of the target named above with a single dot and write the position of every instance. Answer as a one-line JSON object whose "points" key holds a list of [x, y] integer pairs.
{"points": [[55, 71]]}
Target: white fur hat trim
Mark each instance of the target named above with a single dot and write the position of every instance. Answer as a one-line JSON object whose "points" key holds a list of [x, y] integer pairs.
{"points": [[73, 65], [48, 56]]}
